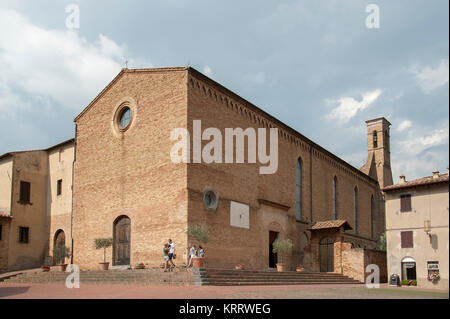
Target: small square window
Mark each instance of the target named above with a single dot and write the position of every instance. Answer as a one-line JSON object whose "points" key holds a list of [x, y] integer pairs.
{"points": [[24, 233], [59, 187]]}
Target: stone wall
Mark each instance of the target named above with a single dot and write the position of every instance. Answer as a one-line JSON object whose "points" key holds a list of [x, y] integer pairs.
{"points": [[355, 261], [209, 102], [4, 244]]}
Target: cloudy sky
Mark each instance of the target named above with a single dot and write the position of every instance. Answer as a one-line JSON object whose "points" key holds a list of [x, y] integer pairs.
{"points": [[312, 64]]}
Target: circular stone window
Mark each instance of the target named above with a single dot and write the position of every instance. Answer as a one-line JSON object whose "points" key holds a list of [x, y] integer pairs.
{"points": [[124, 118], [210, 200]]}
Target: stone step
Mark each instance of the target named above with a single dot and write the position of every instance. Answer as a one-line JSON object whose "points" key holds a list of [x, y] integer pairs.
{"points": [[300, 275], [251, 283], [291, 273]]}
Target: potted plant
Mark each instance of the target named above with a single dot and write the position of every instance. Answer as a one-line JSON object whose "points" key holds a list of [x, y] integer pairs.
{"points": [[60, 253], [45, 268], [240, 267], [103, 243], [300, 269], [140, 265], [281, 246], [198, 233]]}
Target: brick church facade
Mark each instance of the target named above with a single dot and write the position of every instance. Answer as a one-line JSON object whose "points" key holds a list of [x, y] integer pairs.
{"points": [[126, 186]]}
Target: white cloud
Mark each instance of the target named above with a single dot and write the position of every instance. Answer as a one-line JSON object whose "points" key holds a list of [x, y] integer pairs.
{"points": [[429, 78], [55, 65], [348, 106], [207, 70], [404, 125], [255, 78], [415, 142], [417, 154]]}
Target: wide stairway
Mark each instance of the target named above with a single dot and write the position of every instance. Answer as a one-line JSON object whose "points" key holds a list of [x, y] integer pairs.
{"points": [[230, 277], [208, 276], [138, 276]]}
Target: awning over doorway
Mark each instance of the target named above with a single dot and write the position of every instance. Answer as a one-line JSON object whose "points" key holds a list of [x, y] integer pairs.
{"points": [[338, 223]]}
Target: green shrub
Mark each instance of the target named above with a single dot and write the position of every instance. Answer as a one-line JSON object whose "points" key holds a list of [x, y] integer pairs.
{"points": [[103, 243], [198, 233], [60, 253], [281, 246], [383, 243]]}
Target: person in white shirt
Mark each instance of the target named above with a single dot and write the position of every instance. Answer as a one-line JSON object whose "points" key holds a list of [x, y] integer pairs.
{"points": [[192, 253], [172, 254]]}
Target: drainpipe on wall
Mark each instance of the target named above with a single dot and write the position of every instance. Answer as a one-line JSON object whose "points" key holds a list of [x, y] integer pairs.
{"points": [[71, 211]]}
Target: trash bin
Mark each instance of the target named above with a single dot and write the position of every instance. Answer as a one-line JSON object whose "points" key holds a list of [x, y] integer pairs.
{"points": [[394, 280]]}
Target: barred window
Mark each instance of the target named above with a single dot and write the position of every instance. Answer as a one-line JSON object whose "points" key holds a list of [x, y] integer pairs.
{"points": [[24, 233]]}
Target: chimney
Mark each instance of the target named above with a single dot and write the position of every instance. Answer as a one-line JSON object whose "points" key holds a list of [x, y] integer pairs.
{"points": [[435, 174], [402, 179]]}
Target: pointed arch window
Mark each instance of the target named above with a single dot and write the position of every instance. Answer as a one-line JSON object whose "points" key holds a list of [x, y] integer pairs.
{"points": [[298, 190], [355, 209], [335, 197], [372, 217]]}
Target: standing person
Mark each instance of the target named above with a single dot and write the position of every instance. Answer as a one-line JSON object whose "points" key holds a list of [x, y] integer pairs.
{"points": [[166, 256], [201, 252], [172, 254], [192, 254]]}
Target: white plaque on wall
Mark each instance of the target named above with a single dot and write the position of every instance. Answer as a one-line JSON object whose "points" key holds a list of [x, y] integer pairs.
{"points": [[239, 215]]}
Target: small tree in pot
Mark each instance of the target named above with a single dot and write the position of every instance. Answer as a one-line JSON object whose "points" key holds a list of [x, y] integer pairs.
{"points": [[103, 243], [200, 234], [281, 246], [60, 253]]}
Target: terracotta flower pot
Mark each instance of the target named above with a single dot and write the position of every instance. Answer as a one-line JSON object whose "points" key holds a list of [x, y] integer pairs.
{"points": [[300, 269], [198, 262], [45, 268], [280, 267], [62, 267], [104, 266]]}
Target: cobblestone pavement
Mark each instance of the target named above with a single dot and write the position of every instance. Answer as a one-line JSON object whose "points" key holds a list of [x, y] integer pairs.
{"points": [[93, 291]]}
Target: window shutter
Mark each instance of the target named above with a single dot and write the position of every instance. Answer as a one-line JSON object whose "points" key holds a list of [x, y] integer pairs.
{"points": [[407, 239], [24, 191], [405, 203]]}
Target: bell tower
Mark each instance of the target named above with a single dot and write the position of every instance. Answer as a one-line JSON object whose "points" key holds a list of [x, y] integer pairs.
{"points": [[378, 163]]}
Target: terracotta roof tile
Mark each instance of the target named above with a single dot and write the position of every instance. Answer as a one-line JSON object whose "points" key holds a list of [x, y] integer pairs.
{"points": [[428, 180], [331, 224]]}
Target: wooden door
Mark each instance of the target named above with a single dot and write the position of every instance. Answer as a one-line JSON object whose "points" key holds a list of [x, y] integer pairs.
{"points": [[122, 241], [326, 252]]}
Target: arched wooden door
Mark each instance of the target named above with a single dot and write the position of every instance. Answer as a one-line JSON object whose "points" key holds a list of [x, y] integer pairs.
{"points": [[326, 252], [122, 243]]}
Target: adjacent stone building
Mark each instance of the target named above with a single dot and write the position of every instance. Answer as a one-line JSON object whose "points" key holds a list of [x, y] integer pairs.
{"points": [[35, 204], [127, 186], [417, 230]]}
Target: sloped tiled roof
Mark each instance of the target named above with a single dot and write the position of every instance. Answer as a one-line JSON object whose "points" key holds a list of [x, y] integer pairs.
{"points": [[428, 180], [331, 224]]}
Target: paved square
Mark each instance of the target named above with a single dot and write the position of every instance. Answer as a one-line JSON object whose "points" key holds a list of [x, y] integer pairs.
{"points": [[133, 291]]}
